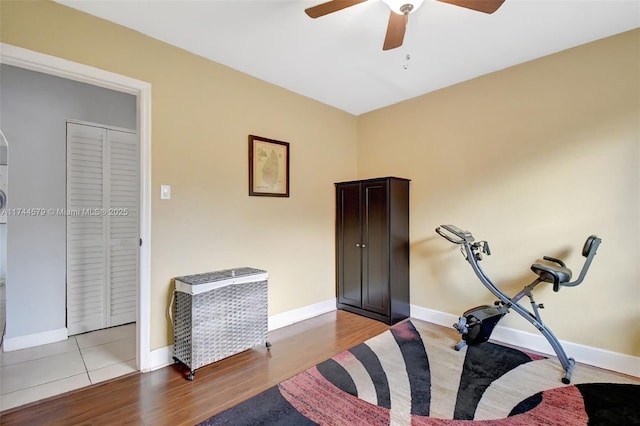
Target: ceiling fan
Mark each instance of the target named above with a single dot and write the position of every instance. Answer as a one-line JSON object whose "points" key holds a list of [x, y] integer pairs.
{"points": [[400, 10]]}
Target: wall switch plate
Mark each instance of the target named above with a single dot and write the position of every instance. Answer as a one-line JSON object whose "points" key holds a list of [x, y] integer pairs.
{"points": [[165, 192]]}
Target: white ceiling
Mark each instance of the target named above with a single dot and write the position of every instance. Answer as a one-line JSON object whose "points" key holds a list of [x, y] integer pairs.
{"points": [[338, 59]]}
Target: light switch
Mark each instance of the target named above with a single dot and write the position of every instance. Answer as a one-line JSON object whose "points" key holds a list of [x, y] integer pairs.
{"points": [[165, 192]]}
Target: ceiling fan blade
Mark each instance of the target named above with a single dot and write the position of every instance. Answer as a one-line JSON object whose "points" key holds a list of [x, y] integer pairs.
{"points": [[395, 31], [330, 7], [486, 6]]}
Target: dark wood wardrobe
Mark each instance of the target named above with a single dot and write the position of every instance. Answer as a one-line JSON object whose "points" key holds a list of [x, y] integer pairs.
{"points": [[372, 248]]}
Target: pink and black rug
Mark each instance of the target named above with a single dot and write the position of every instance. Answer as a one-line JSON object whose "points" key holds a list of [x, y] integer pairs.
{"points": [[410, 375]]}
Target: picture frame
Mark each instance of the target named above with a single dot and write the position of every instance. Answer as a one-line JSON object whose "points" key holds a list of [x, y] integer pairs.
{"points": [[268, 167]]}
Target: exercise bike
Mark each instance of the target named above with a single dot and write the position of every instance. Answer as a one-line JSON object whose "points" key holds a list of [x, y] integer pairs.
{"points": [[476, 324]]}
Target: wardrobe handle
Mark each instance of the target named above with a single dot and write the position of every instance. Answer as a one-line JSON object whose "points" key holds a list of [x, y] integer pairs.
{"points": [[364, 245], [357, 244]]}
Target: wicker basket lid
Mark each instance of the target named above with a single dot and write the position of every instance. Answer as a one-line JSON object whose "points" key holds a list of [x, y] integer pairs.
{"points": [[198, 283]]}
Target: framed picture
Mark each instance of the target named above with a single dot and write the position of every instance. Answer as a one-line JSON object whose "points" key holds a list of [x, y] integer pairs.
{"points": [[268, 167]]}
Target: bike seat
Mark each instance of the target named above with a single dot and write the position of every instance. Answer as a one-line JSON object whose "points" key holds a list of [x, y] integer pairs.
{"points": [[555, 274]]}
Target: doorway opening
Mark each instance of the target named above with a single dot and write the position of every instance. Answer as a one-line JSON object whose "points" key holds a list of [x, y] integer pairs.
{"points": [[47, 64]]}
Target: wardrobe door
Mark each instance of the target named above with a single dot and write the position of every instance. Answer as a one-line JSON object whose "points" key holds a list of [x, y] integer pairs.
{"points": [[375, 250], [348, 244]]}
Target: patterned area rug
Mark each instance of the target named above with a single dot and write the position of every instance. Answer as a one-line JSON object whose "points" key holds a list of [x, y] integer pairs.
{"points": [[410, 375]]}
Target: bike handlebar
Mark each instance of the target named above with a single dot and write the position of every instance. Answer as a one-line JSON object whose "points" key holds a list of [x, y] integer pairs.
{"points": [[464, 236]]}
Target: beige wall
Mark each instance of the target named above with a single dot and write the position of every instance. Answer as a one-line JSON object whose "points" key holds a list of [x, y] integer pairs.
{"points": [[202, 114], [534, 159]]}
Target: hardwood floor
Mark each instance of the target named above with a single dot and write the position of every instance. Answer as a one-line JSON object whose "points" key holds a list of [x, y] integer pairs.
{"points": [[165, 397]]}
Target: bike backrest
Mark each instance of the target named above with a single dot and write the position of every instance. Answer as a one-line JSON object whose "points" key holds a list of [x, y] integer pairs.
{"points": [[588, 245], [588, 251]]}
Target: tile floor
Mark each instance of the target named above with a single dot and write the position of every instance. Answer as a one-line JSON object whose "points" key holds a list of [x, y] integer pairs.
{"points": [[35, 373]]}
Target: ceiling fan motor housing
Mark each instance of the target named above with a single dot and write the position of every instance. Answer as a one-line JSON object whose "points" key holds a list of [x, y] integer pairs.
{"points": [[403, 7], [406, 8]]}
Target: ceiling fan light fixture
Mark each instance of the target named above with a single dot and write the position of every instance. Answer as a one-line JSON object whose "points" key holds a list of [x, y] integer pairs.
{"points": [[402, 7]]}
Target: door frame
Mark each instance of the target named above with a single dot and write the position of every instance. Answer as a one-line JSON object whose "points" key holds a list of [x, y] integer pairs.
{"points": [[47, 64]]}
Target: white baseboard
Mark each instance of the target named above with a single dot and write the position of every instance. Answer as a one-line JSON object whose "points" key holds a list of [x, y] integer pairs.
{"points": [[30, 340], [287, 318], [160, 358], [597, 357], [163, 357]]}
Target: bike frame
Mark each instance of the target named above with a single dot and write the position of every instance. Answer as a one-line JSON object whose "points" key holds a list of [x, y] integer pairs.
{"points": [[472, 255]]}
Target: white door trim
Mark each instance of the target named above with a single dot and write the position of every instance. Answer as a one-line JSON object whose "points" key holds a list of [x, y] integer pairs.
{"points": [[47, 64]]}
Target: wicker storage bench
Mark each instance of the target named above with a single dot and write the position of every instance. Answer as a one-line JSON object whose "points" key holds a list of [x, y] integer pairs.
{"points": [[219, 314]]}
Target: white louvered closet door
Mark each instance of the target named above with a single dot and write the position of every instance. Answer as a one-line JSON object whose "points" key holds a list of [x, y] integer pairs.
{"points": [[102, 227], [86, 234], [122, 226]]}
